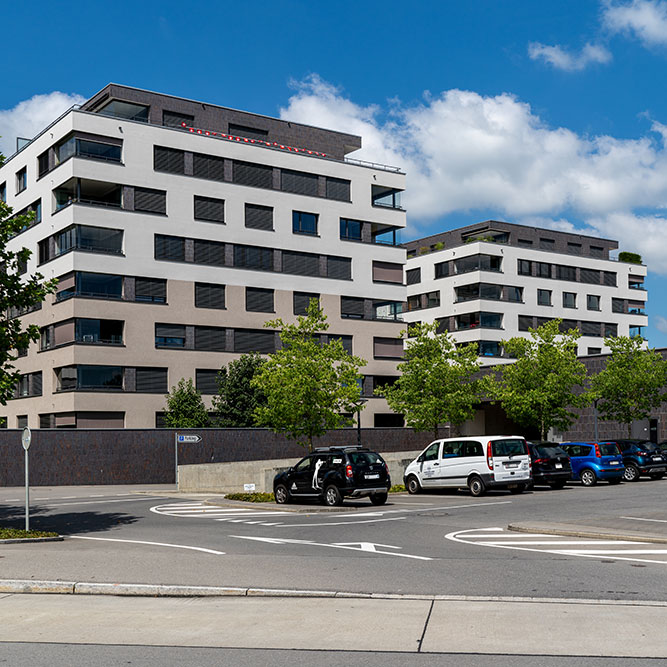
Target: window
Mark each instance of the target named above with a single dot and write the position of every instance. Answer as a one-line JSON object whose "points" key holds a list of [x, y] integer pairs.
{"points": [[99, 377], [346, 341], [339, 268], [594, 350], [596, 251], [170, 335], [209, 296], [414, 302], [569, 300], [21, 180], [247, 132], [524, 243], [514, 294], [611, 330], [259, 217], [209, 209], [479, 320], [127, 110], [592, 302], [387, 272], [590, 328], [567, 325], [350, 230], [547, 244], [525, 267], [151, 381], [351, 307], [543, 297], [387, 348], [301, 263], [169, 160], [170, 248], [489, 348], [304, 223], [566, 272], [609, 278], [477, 263], [590, 276], [442, 270], [42, 164], [211, 339], [432, 299], [302, 301], [386, 197], [152, 290], [99, 285], [252, 340], [3, 192], [259, 300], [337, 188], [22, 421], [253, 175], [150, 201], [387, 310], [94, 331], [413, 276], [209, 167], [299, 182], [253, 257], [573, 248], [210, 253], [206, 381], [543, 270], [617, 305], [175, 119]]}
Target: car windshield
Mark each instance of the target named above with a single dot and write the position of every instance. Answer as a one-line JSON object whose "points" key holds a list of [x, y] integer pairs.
{"points": [[549, 452], [650, 447], [365, 458], [509, 447], [608, 449]]}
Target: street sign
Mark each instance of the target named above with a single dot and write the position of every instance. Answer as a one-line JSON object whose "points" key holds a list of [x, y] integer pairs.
{"points": [[189, 438], [26, 437]]}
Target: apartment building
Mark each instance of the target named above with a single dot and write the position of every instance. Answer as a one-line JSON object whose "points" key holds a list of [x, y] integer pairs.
{"points": [[494, 280], [176, 229]]}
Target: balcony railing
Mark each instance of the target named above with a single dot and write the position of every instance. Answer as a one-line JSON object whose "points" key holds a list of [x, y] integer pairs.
{"points": [[68, 294], [94, 339]]}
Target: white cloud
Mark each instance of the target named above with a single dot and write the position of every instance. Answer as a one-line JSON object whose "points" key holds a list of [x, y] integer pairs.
{"points": [[31, 116], [645, 19], [569, 62], [660, 323], [464, 152]]}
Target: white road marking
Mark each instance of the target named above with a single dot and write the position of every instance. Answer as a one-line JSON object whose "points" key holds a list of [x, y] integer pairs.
{"points": [[565, 542], [156, 544], [101, 502], [339, 523], [636, 518]]}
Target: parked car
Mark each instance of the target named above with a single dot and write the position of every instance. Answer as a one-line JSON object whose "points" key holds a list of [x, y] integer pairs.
{"points": [[479, 463], [333, 473], [551, 464], [593, 461], [641, 459]]}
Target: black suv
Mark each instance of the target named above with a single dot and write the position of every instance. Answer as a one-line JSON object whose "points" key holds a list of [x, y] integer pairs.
{"points": [[551, 464], [641, 458], [332, 473]]}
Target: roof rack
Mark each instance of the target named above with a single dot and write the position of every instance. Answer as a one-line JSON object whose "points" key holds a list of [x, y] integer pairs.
{"points": [[337, 447]]}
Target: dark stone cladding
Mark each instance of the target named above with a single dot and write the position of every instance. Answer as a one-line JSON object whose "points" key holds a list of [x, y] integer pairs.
{"points": [[216, 118], [146, 456], [455, 238]]}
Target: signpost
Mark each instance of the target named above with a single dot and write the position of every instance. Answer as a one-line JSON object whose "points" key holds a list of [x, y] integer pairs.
{"points": [[181, 438], [26, 437]]}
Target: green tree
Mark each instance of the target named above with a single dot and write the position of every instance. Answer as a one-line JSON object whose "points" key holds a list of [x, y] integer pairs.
{"points": [[631, 384], [237, 399], [308, 385], [19, 293], [539, 387], [185, 408], [436, 384]]}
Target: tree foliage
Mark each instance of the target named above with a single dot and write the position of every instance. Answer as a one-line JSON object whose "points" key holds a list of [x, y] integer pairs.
{"points": [[308, 385], [436, 384], [185, 408], [631, 384], [539, 387], [237, 399], [19, 293]]}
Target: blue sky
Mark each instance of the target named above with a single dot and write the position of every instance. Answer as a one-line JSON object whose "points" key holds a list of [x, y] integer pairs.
{"points": [[548, 113]]}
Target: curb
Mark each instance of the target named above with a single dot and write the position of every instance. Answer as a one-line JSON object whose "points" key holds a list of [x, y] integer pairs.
{"points": [[587, 532], [60, 538], [9, 586]]}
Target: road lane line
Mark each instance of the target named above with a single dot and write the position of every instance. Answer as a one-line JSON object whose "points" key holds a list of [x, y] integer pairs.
{"points": [[101, 502], [340, 523], [156, 544], [558, 542], [636, 518]]}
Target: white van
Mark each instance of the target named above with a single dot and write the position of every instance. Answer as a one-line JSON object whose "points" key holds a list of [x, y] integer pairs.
{"points": [[480, 463]]}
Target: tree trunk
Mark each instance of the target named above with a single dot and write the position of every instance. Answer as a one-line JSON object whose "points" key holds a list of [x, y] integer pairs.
{"points": [[629, 429]]}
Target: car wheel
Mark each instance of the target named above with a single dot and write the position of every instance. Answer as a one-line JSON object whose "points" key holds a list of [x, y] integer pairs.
{"points": [[281, 494], [476, 486], [558, 485], [631, 473], [618, 480], [588, 478], [379, 498], [332, 496], [657, 475], [519, 488], [413, 485]]}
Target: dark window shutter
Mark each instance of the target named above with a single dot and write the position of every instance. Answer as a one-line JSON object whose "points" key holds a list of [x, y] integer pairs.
{"points": [[209, 167], [175, 119], [150, 289], [252, 340], [617, 306], [253, 257], [413, 276], [247, 132], [345, 340], [566, 272], [610, 330], [253, 175], [338, 188], [442, 269], [170, 330], [213, 339], [209, 296], [566, 325], [211, 253], [301, 263], [151, 381], [589, 276], [259, 217], [169, 160], [150, 201], [590, 328], [258, 300], [209, 209], [170, 248], [351, 307], [525, 322], [610, 278], [389, 348], [339, 268], [302, 301], [206, 381], [298, 182], [36, 382]]}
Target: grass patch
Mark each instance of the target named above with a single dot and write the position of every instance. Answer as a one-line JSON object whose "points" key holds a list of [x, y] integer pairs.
{"points": [[17, 534], [256, 497], [397, 488]]}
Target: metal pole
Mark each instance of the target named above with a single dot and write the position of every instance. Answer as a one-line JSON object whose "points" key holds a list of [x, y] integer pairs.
{"points": [[27, 494], [176, 458], [595, 417]]}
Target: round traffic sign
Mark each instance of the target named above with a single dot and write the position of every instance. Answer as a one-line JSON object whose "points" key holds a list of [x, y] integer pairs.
{"points": [[26, 437]]}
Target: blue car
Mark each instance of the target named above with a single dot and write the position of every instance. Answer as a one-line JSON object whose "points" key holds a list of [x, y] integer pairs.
{"points": [[593, 461]]}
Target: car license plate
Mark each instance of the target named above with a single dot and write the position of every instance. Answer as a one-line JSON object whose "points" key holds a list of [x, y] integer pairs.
{"points": [[512, 465], [658, 470], [613, 463], [657, 458], [374, 476], [559, 465]]}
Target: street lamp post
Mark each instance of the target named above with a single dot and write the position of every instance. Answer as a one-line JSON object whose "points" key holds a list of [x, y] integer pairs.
{"points": [[359, 405]]}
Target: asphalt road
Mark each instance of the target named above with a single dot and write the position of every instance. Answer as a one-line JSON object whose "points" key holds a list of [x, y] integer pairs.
{"points": [[441, 543]]}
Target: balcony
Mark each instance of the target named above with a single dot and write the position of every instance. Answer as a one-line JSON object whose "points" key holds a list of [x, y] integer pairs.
{"points": [[91, 150], [385, 197], [639, 286], [89, 193]]}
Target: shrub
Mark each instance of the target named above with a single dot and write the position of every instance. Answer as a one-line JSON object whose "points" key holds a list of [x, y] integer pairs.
{"points": [[257, 497], [629, 257]]}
